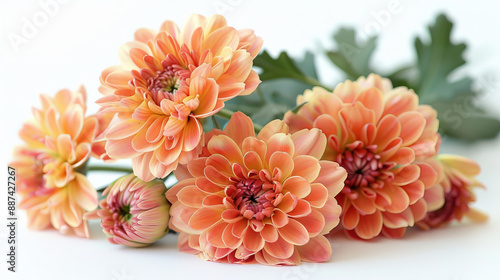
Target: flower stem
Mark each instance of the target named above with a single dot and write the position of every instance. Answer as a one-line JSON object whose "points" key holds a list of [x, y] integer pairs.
{"points": [[110, 168], [226, 114], [216, 123]]}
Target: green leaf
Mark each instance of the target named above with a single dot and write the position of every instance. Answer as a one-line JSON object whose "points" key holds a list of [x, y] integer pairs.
{"points": [[307, 65], [285, 67], [297, 108], [283, 80], [436, 60], [474, 127], [271, 101], [402, 77], [351, 57], [461, 118], [281, 67], [270, 111]]}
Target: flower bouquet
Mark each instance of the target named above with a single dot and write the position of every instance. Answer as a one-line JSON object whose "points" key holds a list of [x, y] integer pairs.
{"points": [[269, 163]]}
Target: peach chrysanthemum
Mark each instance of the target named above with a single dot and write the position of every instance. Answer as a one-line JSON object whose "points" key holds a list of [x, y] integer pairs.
{"points": [[133, 212], [384, 140], [258, 199], [57, 147], [167, 82], [456, 188]]}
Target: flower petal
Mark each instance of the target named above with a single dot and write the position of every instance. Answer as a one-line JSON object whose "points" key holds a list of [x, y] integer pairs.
{"points": [[294, 233], [204, 218], [272, 128], [239, 128], [298, 186], [269, 233], [332, 176], [306, 167], [318, 249], [369, 226], [314, 222], [225, 146], [252, 240], [279, 143], [283, 162], [280, 249], [412, 126], [318, 195], [191, 196], [309, 142]]}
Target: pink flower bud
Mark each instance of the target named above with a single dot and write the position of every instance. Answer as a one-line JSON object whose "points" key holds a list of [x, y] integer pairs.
{"points": [[133, 213]]}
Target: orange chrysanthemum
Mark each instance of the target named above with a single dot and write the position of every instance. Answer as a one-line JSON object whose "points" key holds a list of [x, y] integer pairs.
{"points": [[57, 146], [169, 80], [384, 140], [265, 199], [456, 192]]}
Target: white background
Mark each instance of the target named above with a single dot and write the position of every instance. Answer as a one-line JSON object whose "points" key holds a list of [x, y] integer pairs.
{"points": [[81, 38]]}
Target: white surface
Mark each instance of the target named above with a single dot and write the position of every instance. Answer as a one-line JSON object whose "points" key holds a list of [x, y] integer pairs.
{"points": [[82, 38]]}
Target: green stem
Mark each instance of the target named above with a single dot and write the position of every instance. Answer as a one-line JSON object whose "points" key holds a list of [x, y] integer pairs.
{"points": [[226, 114], [110, 168], [102, 188], [216, 123]]}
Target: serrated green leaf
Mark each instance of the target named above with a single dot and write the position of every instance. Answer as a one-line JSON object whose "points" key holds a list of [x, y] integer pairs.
{"points": [[351, 57], [307, 65], [436, 60], [286, 67], [281, 67]]}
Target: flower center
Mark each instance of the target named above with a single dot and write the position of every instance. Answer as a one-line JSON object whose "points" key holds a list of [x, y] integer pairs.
{"points": [[364, 168], [125, 213], [253, 199], [121, 213], [164, 84]]}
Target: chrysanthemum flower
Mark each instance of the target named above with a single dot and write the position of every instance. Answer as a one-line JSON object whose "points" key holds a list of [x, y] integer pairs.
{"points": [[57, 146], [456, 188], [383, 139], [133, 212], [167, 82], [258, 199]]}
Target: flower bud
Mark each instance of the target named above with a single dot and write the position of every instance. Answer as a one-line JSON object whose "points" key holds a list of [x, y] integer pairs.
{"points": [[133, 213]]}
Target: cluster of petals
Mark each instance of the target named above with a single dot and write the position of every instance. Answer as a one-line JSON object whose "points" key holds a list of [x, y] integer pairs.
{"points": [[57, 145], [385, 140], [456, 190], [168, 81], [133, 212], [265, 199]]}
